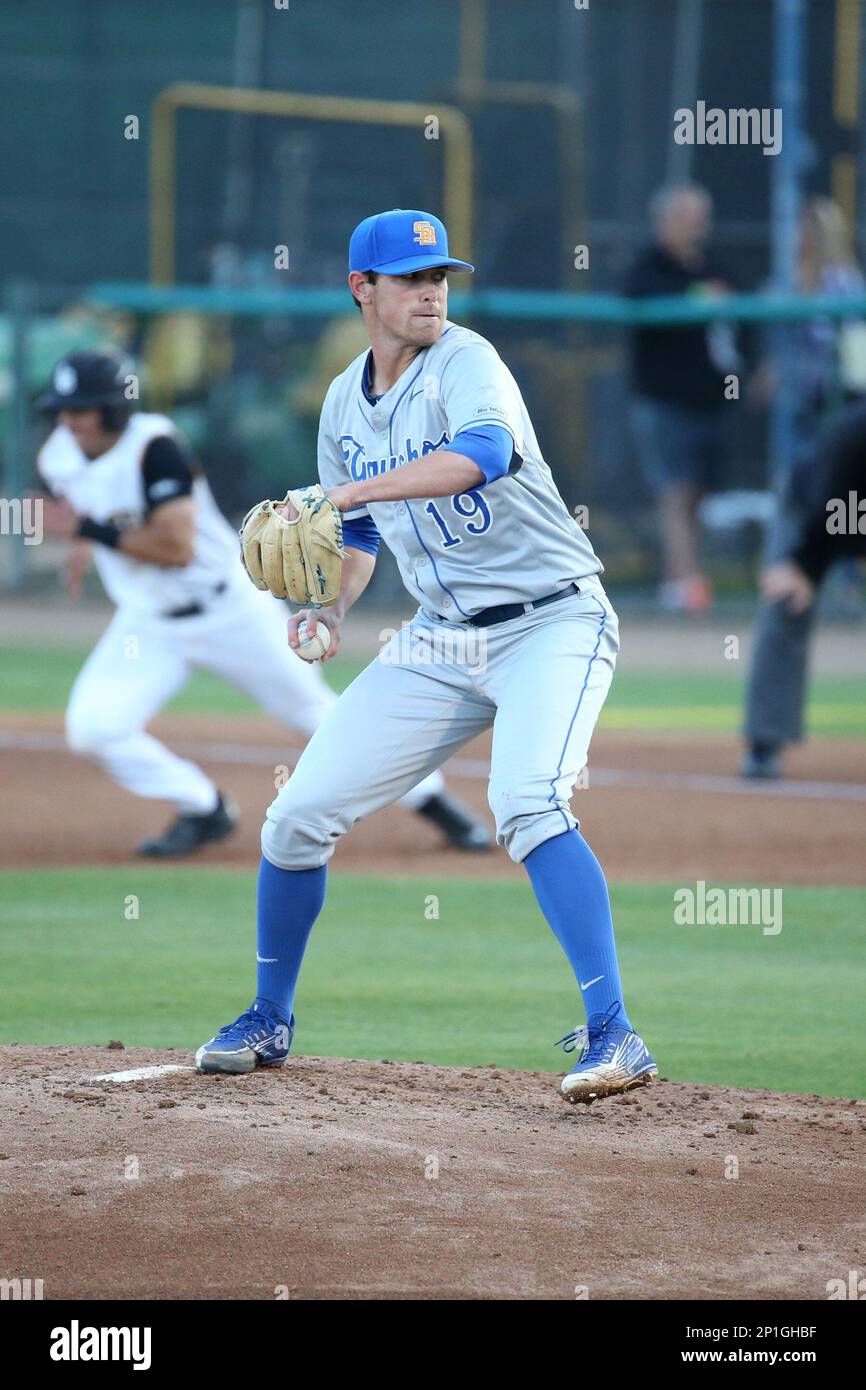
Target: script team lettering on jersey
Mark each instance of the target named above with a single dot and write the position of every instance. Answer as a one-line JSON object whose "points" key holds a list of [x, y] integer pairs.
{"points": [[360, 467]]}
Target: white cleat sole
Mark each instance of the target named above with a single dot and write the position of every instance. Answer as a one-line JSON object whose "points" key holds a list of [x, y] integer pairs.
{"points": [[583, 1091], [236, 1063]]}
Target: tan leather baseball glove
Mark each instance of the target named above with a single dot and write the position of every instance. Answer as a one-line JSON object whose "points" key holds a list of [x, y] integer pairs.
{"points": [[299, 559]]}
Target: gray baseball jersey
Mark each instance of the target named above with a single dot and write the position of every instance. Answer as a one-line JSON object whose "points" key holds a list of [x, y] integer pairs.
{"points": [[508, 542]]}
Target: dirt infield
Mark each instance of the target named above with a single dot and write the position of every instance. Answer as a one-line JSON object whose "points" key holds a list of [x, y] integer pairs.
{"points": [[659, 807], [311, 1182]]}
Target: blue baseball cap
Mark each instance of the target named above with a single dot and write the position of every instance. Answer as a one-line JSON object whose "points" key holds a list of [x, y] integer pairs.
{"points": [[399, 241]]}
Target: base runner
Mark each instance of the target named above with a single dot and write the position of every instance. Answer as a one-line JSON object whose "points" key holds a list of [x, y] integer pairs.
{"points": [[124, 484]]}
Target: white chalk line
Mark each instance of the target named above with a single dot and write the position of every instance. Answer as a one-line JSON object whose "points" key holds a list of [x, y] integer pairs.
{"points": [[250, 754], [142, 1073]]}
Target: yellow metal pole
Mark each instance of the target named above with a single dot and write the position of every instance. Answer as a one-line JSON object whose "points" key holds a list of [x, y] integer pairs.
{"points": [[457, 154], [163, 195], [843, 185], [458, 190], [846, 62], [473, 44], [846, 102]]}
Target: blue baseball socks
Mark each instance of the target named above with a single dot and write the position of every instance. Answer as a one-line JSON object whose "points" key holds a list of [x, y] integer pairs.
{"points": [[289, 901], [572, 893], [568, 883]]}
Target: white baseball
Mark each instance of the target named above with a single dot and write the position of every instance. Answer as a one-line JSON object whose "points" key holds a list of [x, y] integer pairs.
{"points": [[313, 648]]}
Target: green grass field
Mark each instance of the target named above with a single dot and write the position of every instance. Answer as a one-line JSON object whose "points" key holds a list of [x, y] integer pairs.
{"points": [[36, 678], [485, 982]]}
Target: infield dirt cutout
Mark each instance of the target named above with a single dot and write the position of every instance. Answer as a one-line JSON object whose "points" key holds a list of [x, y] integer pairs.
{"points": [[642, 829], [357, 1179]]}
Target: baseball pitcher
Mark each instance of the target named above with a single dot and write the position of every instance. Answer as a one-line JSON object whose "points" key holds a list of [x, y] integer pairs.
{"points": [[425, 443]]}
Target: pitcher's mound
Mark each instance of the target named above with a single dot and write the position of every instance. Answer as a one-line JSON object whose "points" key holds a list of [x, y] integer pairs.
{"points": [[356, 1179]]}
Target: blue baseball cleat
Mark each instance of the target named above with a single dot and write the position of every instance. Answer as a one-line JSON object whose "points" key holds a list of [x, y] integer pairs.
{"points": [[611, 1059], [256, 1039]]}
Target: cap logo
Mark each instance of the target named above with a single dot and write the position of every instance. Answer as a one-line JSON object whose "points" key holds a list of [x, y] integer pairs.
{"points": [[425, 233], [65, 379]]}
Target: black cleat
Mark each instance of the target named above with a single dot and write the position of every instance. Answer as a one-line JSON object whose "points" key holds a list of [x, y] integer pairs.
{"points": [[762, 761], [461, 829], [188, 833]]}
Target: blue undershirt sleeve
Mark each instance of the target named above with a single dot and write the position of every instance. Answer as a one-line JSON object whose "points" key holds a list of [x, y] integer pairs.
{"points": [[361, 533], [490, 446]]}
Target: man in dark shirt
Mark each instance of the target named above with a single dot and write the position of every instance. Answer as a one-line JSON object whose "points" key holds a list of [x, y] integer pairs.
{"points": [[679, 378]]}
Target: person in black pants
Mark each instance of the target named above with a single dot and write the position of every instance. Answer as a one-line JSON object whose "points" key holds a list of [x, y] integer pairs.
{"points": [[824, 377], [833, 529]]}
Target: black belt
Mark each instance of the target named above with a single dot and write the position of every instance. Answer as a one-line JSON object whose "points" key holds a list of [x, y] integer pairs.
{"points": [[504, 612], [192, 610]]}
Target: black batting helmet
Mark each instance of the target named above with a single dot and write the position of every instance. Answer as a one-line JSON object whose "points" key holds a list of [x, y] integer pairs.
{"points": [[87, 379]]}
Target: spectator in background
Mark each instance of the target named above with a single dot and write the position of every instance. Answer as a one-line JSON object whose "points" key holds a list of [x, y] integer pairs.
{"points": [[828, 363], [679, 413]]}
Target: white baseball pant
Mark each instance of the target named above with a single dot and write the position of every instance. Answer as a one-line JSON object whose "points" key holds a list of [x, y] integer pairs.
{"points": [[142, 660], [540, 680]]}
